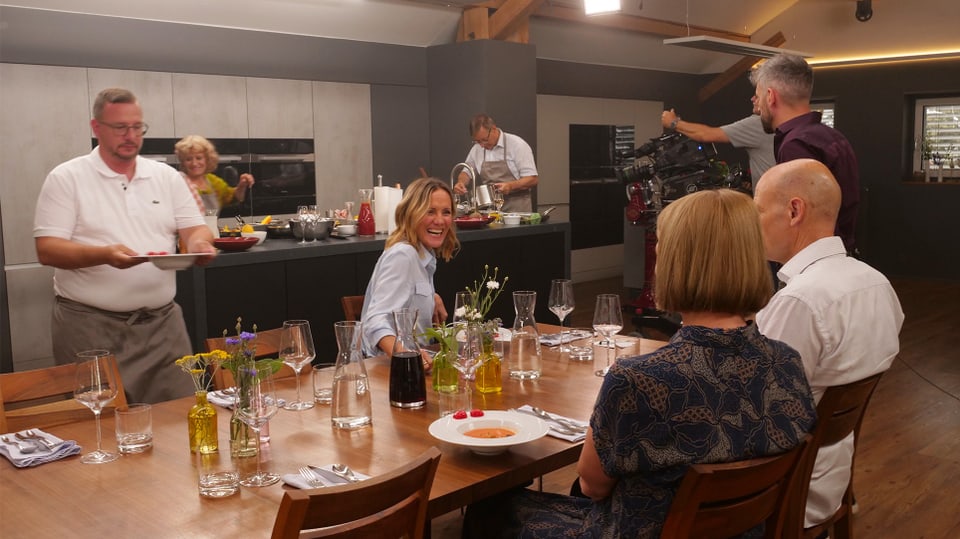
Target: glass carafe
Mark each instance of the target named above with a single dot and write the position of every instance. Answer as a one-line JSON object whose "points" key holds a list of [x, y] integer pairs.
{"points": [[408, 388], [365, 224], [523, 362], [351, 407]]}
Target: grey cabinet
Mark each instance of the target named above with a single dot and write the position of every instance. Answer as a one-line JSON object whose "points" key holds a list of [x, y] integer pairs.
{"points": [[279, 108], [154, 91], [214, 106]]}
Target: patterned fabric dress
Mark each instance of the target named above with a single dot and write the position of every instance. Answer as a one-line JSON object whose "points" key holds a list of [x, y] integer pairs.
{"points": [[708, 396]]}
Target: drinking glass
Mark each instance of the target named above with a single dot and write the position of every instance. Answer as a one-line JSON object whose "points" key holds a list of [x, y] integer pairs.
{"points": [[256, 408], [297, 351], [498, 203], [95, 387], [607, 321], [463, 301], [561, 303], [314, 218], [303, 218]]}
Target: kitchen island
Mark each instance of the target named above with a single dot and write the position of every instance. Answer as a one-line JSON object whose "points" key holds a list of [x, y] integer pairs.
{"points": [[283, 279]]}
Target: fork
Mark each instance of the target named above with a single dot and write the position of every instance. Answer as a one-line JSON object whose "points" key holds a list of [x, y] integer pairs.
{"points": [[33, 435], [310, 477]]}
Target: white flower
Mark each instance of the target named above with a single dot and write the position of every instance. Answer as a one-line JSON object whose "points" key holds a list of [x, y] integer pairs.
{"points": [[475, 315], [460, 312], [492, 285]]}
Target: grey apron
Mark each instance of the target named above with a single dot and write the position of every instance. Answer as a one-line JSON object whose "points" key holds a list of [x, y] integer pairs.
{"points": [[496, 172]]}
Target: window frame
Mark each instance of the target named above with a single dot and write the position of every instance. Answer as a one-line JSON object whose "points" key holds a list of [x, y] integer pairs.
{"points": [[919, 132], [822, 107]]}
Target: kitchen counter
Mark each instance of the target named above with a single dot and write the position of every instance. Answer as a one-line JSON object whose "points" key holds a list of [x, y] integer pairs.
{"points": [[283, 279]]}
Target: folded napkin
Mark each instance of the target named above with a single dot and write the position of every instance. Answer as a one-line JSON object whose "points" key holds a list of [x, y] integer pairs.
{"points": [[526, 408], [553, 339], [42, 454], [328, 479], [224, 398]]}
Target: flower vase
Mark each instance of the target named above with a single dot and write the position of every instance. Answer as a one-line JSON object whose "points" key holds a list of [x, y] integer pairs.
{"points": [[202, 426], [488, 378], [445, 374], [243, 440]]}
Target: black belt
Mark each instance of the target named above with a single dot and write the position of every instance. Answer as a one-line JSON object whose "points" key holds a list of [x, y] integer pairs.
{"points": [[142, 314]]}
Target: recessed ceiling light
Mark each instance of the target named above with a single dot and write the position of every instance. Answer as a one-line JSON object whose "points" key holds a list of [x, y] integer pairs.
{"points": [[596, 7], [730, 46]]}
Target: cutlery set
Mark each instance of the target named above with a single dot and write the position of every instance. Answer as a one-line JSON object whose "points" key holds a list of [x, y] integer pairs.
{"points": [[560, 424], [29, 441], [338, 474]]}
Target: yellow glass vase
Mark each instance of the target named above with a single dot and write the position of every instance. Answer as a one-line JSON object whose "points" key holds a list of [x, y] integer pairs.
{"points": [[488, 369], [202, 426]]}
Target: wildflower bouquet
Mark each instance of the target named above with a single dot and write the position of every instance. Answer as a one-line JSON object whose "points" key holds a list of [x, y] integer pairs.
{"points": [[482, 295]]}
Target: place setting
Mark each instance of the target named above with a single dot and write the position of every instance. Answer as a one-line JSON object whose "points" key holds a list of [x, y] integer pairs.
{"points": [[329, 475], [33, 447]]}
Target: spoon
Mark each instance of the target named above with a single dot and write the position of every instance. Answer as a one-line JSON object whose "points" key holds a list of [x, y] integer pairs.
{"points": [[24, 448], [345, 472], [558, 420], [33, 437]]}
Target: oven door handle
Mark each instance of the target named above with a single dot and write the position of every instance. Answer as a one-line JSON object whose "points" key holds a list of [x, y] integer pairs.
{"points": [[290, 158]]}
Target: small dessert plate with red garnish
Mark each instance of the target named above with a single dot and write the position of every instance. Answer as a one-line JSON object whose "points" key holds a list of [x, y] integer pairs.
{"points": [[488, 432], [166, 261]]}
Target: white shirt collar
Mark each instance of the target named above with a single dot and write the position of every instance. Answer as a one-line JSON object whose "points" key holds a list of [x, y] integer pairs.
{"points": [[809, 255]]}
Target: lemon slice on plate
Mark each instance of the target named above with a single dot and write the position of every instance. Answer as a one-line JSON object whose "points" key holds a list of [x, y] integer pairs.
{"points": [[266, 220], [246, 228]]}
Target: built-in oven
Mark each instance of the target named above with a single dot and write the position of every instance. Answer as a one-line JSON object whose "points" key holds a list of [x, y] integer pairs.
{"points": [[283, 169]]}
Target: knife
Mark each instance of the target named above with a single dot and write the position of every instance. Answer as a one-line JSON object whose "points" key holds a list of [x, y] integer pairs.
{"points": [[328, 475]]}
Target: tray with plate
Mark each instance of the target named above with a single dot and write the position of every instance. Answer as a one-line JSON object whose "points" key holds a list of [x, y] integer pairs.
{"points": [[518, 429], [172, 261], [473, 222]]}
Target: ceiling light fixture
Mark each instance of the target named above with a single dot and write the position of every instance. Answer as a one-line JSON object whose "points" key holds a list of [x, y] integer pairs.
{"points": [[597, 7], [730, 46]]}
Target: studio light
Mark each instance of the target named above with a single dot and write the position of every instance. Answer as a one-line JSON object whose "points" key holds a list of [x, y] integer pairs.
{"points": [[730, 46], [596, 7]]}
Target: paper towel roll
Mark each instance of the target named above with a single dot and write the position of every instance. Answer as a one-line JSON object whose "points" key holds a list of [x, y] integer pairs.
{"points": [[385, 204]]}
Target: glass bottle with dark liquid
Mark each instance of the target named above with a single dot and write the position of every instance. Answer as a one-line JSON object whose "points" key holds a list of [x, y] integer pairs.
{"points": [[408, 387]]}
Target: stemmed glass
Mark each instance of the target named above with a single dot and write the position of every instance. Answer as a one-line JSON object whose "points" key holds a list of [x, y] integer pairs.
{"points": [[256, 407], [303, 217], [297, 351], [561, 303], [607, 321], [95, 387], [498, 202]]}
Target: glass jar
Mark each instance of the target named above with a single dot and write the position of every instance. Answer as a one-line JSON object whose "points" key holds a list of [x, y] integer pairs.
{"points": [[488, 375], [351, 406], [202, 426], [524, 359], [408, 387]]}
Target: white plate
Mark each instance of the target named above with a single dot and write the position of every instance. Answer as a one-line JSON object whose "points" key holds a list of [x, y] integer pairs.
{"points": [[527, 428], [172, 262]]}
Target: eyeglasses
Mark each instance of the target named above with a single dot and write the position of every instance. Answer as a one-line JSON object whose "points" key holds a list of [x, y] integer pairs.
{"points": [[121, 129], [485, 139]]}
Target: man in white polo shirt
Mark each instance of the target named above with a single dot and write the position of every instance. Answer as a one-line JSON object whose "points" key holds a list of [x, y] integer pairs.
{"points": [[95, 215]]}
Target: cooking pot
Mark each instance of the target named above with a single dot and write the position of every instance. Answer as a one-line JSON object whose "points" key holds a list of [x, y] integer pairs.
{"points": [[484, 196], [317, 230], [279, 229]]}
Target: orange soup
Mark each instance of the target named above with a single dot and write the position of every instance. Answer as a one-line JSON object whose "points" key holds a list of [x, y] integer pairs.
{"points": [[489, 432]]}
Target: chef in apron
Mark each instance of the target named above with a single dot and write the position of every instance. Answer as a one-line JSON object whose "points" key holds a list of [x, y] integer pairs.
{"points": [[503, 161]]}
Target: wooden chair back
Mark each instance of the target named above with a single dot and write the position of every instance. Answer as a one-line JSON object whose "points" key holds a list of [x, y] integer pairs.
{"points": [[839, 413], [352, 307], [42, 398], [390, 505], [268, 346], [727, 499]]}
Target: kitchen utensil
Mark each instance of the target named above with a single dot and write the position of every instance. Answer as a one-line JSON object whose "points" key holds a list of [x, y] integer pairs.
{"points": [[34, 435], [279, 229], [313, 479], [484, 196], [345, 472], [562, 421], [556, 427], [21, 446], [235, 244]]}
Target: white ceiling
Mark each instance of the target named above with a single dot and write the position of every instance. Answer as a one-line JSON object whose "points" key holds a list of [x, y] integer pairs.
{"points": [[825, 28]]}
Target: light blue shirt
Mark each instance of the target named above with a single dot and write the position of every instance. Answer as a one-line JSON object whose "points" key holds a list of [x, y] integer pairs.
{"points": [[401, 279]]}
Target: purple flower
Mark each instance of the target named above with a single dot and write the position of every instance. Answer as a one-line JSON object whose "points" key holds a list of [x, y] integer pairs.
{"points": [[232, 341], [247, 336]]}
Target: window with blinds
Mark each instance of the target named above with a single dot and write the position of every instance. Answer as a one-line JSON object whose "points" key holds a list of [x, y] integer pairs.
{"points": [[937, 136]]}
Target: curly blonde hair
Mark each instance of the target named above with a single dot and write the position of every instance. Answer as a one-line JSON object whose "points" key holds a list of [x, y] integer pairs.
{"points": [[195, 143]]}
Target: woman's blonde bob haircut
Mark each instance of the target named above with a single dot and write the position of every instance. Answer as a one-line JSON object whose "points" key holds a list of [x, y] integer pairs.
{"points": [[710, 255], [195, 143], [413, 208]]}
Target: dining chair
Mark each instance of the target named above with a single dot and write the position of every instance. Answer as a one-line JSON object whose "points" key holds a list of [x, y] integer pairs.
{"points": [[393, 504], [724, 500], [41, 398], [352, 307], [268, 346], [839, 413]]}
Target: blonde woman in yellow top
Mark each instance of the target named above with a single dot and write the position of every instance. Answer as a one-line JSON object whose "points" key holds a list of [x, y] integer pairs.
{"points": [[198, 159]]}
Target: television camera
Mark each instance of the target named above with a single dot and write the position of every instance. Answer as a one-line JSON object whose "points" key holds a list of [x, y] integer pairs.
{"points": [[669, 167]]}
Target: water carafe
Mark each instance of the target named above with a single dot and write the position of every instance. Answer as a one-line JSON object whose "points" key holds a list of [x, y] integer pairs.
{"points": [[365, 223], [408, 388], [351, 407], [523, 361]]}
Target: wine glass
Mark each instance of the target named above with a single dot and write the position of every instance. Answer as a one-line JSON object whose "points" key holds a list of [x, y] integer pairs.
{"points": [[607, 321], [303, 218], [561, 303], [256, 407], [297, 350], [95, 387], [498, 202]]}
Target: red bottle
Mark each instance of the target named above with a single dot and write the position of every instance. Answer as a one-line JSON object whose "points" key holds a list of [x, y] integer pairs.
{"points": [[365, 224]]}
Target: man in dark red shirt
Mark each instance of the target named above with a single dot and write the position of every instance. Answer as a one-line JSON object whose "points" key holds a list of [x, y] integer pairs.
{"points": [[784, 85]]}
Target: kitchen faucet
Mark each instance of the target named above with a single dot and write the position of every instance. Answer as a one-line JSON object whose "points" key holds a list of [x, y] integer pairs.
{"points": [[472, 173]]}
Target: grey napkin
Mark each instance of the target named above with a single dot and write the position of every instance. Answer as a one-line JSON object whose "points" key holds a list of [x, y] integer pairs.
{"points": [[42, 455], [553, 339], [297, 480], [561, 435]]}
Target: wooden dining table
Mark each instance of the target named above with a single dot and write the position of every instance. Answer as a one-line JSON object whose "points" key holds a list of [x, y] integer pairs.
{"points": [[155, 494]]}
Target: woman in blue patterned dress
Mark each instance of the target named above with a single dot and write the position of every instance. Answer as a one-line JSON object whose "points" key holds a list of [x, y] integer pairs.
{"points": [[717, 392]]}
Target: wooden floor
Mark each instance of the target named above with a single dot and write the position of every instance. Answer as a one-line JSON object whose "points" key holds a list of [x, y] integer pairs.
{"points": [[907, 475]]}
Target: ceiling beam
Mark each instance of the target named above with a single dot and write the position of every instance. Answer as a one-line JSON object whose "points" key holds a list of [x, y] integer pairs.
{"points": [[633, 23], [511, 17], [737, 70]]}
